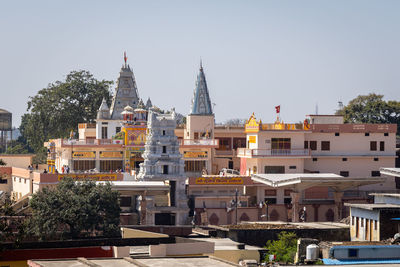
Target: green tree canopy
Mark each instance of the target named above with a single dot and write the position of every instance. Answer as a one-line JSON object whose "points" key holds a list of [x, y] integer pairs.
{"points": [[284, 248], [75, 209], [58, 109], [371, 109]]}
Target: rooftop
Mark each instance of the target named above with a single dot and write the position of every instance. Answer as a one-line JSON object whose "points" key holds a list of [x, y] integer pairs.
{"points": [[373, 206]]}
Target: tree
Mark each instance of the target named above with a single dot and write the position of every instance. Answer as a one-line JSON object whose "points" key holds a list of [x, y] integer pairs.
{"points": [[12, 227], [57, 109], [284, 248], [236, 122], [76, 209], [371, 109]]}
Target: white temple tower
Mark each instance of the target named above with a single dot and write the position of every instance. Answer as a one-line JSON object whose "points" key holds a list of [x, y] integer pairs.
{"points": [[163, 162]]}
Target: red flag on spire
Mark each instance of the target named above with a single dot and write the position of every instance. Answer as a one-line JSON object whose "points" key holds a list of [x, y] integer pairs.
{"points": [[278, 109], [125, 58]]}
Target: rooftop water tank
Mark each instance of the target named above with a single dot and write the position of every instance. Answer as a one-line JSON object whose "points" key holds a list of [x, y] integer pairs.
{"points": [[312, 252]]}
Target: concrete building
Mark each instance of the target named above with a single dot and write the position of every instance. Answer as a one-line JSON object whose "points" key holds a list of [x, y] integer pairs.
{"points": [[377, 221]]}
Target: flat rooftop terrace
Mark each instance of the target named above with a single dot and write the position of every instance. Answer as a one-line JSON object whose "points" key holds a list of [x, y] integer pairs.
{"points": [[288, 225]]}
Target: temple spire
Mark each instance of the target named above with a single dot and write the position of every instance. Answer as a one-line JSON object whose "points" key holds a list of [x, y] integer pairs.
{"points": [[201, 103], [125, 58]]}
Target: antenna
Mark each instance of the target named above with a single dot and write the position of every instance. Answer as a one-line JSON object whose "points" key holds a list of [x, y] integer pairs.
{"points": [[316, 108]]}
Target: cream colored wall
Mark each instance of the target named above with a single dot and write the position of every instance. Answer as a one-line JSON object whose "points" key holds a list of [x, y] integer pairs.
{"points": [[20, 187], [87, 132], [296, 138], [357, 166], [260, 163], [353, 143], [197, 123], [19, 161], [135, 233]]}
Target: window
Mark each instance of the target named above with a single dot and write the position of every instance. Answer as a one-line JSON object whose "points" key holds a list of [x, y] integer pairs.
{"points": [[194, 165], [305, 144], [292, 167], [344, 173], [325, 145], [125, 201], [382, 146], [104, 123], [375, 173], [315, 159], [344, 159], [274, 169], [337, 134], [372, 145], [366, 134], [270, 192], [376, 159], [109, 165], [163, 133], [385, 134], [287, 198], [165, 169], [270, 196], [353, 253], [117, 129], [3, 181], [104, 133], [280, 143], [164, 149], [313, 145]]}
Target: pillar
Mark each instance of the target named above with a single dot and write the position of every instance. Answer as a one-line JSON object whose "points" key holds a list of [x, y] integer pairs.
{"points": [[295, 206], [337, 196]]}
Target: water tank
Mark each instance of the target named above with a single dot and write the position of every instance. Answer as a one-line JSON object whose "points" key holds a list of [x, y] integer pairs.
{"points": [[312, 252]]}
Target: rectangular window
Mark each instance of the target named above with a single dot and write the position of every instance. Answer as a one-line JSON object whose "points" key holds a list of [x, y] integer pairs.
{"points": [[325, 145], [337, 134], [164, 149], [163, 133], [292, 167], [313, 145], [109, 165], [165, 169], [305, 144], [382, 146], [280, 143], [372, 145], [194, 165], [344, 159], [375, 173], [85, 165], [315, 159], [366, 134], [3, 181], [376, 159], [125, 201], [270, 192], [385, 134], [270, 200], [104, 133], [353, 253], [117, 129], [344, 173], [274, 169]]}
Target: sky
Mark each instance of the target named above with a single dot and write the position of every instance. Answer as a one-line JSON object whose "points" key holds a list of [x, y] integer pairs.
{"points": [[256, 54]]}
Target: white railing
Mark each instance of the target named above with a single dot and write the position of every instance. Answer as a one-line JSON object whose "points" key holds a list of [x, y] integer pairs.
{"points": [[77, 142], [245, 152], [198, 142]]}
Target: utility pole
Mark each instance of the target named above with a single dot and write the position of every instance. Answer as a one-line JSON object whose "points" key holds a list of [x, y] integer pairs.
{"points": [[236, 205]]}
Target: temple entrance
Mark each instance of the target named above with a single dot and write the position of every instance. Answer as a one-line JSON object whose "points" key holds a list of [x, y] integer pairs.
{"points": [[165, 219]]}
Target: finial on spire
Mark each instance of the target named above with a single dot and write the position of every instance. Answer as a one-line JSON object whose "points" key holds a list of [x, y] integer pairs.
{"points": [[201, 64], [125, 57]]}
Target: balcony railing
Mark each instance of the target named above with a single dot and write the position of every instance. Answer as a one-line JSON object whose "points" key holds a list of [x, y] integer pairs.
{"points": [[77, 142], [245, 152], [198, 142]]}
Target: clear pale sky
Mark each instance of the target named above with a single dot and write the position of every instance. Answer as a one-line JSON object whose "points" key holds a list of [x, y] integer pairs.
{"points": [[256, 54]]}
